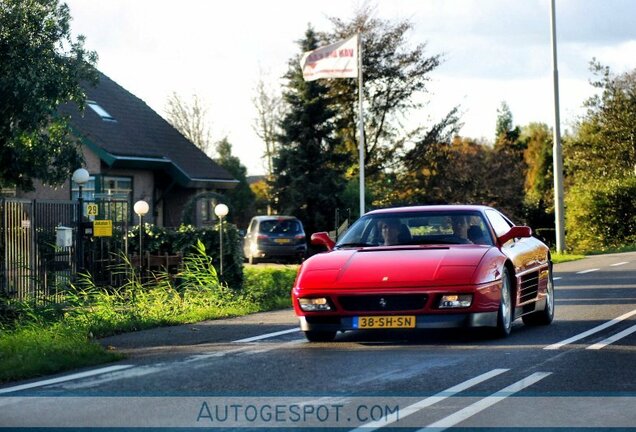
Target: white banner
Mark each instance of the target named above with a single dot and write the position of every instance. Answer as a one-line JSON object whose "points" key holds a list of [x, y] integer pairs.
{"points": [[338, 60], [566, 412]]}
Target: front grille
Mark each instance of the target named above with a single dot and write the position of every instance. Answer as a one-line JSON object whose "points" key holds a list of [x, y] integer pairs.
{"points": [[383, 303], [529, 287]]}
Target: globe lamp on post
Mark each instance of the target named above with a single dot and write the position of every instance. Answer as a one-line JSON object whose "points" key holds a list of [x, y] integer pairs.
{"points": [[141, 208], [80, 177], [221, 210]]}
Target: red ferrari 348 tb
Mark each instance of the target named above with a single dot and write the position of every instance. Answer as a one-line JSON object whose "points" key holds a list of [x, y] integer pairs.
{"points": [[425, 267]]}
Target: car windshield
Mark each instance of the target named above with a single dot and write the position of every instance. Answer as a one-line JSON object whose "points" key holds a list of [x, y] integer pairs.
{"points": [[417, 228], [283, 226]]}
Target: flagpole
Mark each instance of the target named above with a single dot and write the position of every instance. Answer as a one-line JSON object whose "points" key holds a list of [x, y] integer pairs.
{"points": [[361, 126]]}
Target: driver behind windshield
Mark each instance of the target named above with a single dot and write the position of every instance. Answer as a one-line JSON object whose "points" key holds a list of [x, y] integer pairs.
{"points": [[390, 230]]}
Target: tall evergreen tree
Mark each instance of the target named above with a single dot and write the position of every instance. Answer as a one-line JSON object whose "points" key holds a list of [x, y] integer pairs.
{"points": [[241, 198], [308, 169]]}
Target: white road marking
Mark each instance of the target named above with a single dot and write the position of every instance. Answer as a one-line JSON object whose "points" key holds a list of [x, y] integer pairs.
{"points": [[266, 336], [557, 278], [591, 331], [616, 299], [587, 271], [619, 264], [487, 402], [613, 339], [64, 378], [367, 427]]}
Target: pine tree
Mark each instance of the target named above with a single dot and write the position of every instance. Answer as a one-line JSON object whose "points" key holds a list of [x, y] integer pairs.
{"points": [[308, 171]]}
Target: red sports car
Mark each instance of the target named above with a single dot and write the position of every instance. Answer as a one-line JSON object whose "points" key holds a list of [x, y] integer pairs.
{"points": [[425, 267]]}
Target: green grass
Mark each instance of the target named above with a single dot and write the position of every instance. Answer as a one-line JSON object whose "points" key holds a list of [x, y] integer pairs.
{"points": [[35, 350], [46, 338], [567, 256], [558, 258]]}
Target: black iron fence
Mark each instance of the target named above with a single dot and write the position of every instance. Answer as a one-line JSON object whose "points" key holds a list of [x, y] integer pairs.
{"points": [[44, 244]]}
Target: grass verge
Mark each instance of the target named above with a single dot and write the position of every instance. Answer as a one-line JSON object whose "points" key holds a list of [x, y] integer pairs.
{"points": [[44, 338]]}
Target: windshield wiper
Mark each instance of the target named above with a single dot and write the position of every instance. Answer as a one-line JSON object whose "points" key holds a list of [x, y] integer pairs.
{"points": [[344, 245]]}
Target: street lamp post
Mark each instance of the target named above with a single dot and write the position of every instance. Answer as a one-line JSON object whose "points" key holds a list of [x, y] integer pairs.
{"points": [[80, 177], [141, 208], [221, 210]]}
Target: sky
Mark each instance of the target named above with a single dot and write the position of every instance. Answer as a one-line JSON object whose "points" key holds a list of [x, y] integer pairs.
{"points": [[493, 51]]}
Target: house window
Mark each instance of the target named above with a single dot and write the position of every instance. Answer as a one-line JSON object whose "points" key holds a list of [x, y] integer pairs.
{"points": [[110, 191], [100, 111], [207, 210], [88, 190], [118, 188]]}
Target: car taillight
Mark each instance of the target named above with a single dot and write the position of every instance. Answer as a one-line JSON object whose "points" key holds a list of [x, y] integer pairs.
{"points": [[299, 236], [262, 237]]}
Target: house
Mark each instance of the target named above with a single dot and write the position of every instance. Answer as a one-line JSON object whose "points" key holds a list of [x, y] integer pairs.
{"points": [[132, 153]]}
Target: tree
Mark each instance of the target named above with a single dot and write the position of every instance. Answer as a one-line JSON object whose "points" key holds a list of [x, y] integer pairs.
{"points": [[269, 110], [42, 66], [604, 145], [241, 198], [266, 124], [507, 165], [190, 120], [395, 78], [424, 168], [601, 166], [539, 178], [308, 169], [537, 140]]}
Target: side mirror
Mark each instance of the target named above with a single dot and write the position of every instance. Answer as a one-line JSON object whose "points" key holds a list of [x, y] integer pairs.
{"points": [[322, 239], [515, 232]]}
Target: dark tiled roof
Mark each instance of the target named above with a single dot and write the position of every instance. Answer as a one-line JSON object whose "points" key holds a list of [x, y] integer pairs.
{"points": [[138, 137]]}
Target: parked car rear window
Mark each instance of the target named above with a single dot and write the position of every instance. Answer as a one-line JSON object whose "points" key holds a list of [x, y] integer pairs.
{"points": [[288, 226]]}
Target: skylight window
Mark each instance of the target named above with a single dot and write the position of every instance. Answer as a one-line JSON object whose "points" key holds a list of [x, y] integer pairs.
{"points": [[100, 111]]}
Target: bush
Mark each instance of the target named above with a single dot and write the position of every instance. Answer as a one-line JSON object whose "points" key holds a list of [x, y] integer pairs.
{"points": [[159, 241], [601, 216], [269, 287]]}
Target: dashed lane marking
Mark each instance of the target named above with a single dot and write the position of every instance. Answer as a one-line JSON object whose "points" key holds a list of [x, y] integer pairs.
{"points": [[266, 336], [485, 403], [590, 331], [612, 339], [424, 403], [64, 378], [588, 271]]}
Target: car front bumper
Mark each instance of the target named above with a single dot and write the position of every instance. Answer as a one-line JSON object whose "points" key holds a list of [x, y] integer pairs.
{"points": [[432, 321]]}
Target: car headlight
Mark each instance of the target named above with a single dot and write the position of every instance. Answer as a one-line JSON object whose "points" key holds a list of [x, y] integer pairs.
{"points": [[451, 301], [314, 304]]}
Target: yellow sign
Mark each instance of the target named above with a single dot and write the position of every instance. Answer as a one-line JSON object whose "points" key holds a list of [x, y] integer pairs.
{"points": [[91, 209], [103, 228]]}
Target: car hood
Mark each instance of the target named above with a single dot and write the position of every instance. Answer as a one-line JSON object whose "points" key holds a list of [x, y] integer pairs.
{"points": [[391, 267]]}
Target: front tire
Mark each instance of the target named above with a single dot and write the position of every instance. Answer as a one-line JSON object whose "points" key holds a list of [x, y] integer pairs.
{"points": [[545, 316], [504, 317], [320, 336]]}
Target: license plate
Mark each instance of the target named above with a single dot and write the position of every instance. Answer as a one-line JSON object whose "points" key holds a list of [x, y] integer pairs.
{"points": [[394, 321], [282, 241]]}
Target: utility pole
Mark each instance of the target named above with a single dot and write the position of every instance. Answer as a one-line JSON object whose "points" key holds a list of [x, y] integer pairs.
{"points": [[557, 156]]}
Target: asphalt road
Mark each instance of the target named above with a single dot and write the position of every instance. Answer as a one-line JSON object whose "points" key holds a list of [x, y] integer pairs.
{"points": [[258, 371]]}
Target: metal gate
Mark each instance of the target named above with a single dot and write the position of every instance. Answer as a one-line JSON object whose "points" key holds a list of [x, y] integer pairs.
{"points": [[34, 262], [43, 245], [103, 255]]}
